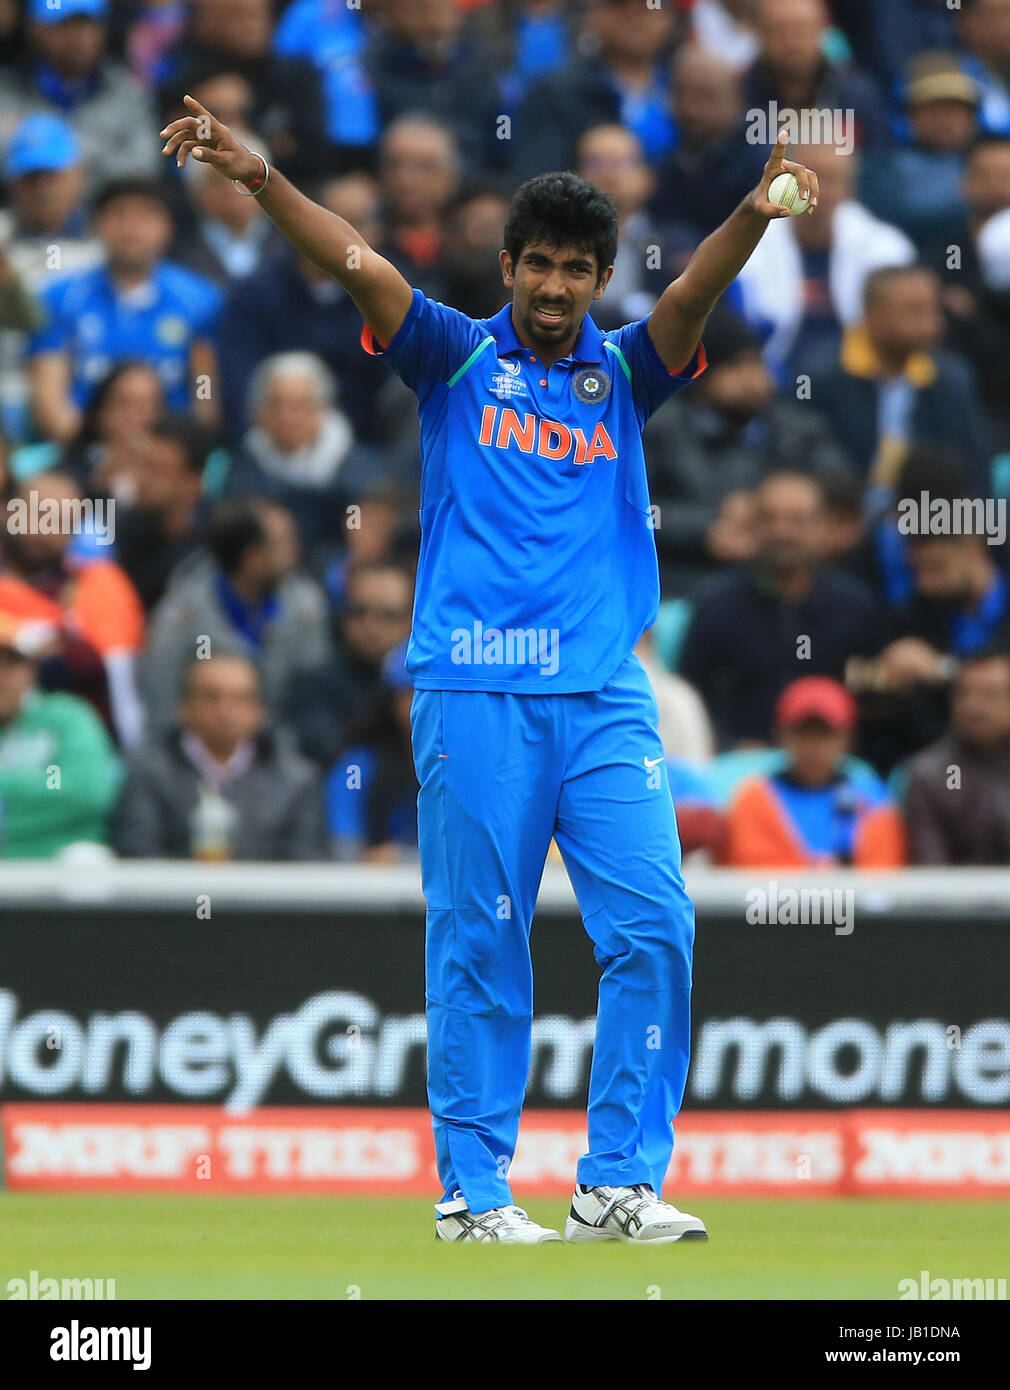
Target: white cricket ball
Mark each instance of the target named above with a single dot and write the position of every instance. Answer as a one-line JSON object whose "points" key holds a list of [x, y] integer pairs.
{"points": [[785, 191]]}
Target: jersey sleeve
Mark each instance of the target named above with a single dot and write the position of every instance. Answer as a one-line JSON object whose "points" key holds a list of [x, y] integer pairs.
{"points": [[651, 380], [430, 346]]}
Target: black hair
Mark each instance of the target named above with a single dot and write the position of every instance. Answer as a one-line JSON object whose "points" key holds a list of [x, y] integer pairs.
{"points": [[884, 274], [235, 527], [562, 209], [938, 469], [88, 432], [132, 186]]}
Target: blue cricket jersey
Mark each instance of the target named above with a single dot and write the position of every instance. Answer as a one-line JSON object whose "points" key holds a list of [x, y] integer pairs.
{"points": [[88, 317], [538, 569]]}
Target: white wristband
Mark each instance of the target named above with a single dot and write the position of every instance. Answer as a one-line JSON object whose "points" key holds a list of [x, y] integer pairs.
{"points": [[261, 183]]}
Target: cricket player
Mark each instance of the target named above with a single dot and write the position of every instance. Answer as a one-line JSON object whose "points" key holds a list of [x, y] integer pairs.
{"points": [[532, 718]]}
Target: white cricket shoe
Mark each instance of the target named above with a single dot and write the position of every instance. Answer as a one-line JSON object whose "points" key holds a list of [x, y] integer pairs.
{"points": [[506, 1225], [632, 1214]]}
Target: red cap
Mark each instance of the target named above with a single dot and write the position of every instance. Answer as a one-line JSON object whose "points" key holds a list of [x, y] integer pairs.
{"points": [[816, 697]]}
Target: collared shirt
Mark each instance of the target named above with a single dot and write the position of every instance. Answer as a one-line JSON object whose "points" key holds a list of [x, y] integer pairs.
{"points": [[214, 772], [538, 567], [91, 319]]}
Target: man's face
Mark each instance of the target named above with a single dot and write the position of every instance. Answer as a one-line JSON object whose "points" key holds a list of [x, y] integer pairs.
{"points": [[162, 475], [629, 31], [291, 412], [790, 32], [429, 25], [815, 750], [740, 389], [942, 568], [985, 30], [40, 551], [355, 198], [135, 232], [987, 181], [74, 47], [611, 157], [222, 704], [788, 523], [903, 315], [553, 287], [17, 675], [944, 126], [980, 707], [417, 172], [280, 552], [241, 28], [376, 615], [44, 200], [706, 97]]}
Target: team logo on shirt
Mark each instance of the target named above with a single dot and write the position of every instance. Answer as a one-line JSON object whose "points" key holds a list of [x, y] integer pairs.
{"points": [[171, 330], [508, 382], [591, 385]]}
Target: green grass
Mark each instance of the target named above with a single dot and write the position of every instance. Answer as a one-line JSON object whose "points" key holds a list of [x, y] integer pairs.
{"points": [[301, 1247]]}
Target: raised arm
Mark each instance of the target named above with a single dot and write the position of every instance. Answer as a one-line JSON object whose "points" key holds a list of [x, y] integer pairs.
{"points": [[677, 321], [375, 285]]}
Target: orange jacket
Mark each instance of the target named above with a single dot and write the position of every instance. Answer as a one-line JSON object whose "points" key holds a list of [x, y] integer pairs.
{"points": [[761, 834]]}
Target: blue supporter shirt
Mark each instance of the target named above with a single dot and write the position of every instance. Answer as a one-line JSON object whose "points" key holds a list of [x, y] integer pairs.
{"points": [[538, 568], [98, 326]]}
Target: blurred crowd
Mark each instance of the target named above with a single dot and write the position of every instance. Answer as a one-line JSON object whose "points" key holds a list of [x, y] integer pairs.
{"points": [[211, 665]]}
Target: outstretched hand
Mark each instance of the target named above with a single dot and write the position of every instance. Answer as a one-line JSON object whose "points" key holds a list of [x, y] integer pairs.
{"points": [[209, 142], [778, 164]]}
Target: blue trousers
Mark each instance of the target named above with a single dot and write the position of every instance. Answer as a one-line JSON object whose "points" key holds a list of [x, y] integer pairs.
{"points": [[500, 774]]}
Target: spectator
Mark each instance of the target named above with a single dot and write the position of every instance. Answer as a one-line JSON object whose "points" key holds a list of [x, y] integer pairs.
{"points": [[960, 606], [917, 186], [417, 59], [333, 37], [165, 522], [235, 37], [957, 801], [138, 305], [227, 235], [884, 37], [793, 71], [803, 286], [371, 792], [382, 525], [893, 385], [647, 257], [92, 605], [755, 628], [290, 305], [700, 823], [472, 233], [707, 452], [300, 451], [329, 696], [247, 596], [418, 174], [126, 402], [623, 83], [684, 727], [972, 270], [221, 785], [46, 228], [815, 812], [66, 71], [984, 30], [58, 771], [523, 39], [712, 165]]}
